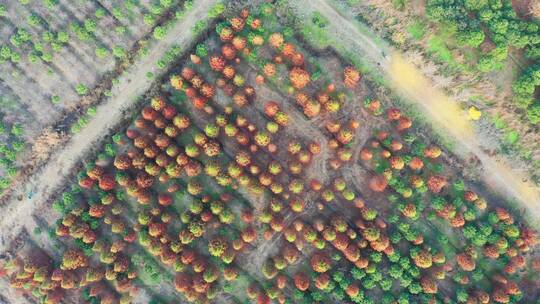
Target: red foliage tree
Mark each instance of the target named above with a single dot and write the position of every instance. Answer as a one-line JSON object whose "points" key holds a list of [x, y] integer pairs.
{"points": [[164, 199], [423, 259], [301, 281], [432, 152], [393, 114], [299, 78], [149, 114], [249, 234], [144, 180], [436, 183], [290, 253], [404, 123], [86, 182], [107, 182], [350, 77], [187, 256], [168, 111], [352, 253], [281, 281], [182, 282], [320, 263], [271, 108], [416, 163], [156, 229], [500, 296], [341, 241], [217, 63], [378, 183], [122, 162], [428, 285], [465, 261], [262, 298], [322, 281], [74, 259], [97, 210], [228, 51], [95, 173], [366, 154]]}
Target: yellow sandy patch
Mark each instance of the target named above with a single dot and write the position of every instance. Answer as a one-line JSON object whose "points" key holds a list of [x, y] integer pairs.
{"points": [[474, 113], [409, 80], [448, 117]]}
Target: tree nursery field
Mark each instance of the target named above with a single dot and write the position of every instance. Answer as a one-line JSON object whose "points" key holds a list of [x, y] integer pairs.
{"points": [[263, 163], [56, 59]]}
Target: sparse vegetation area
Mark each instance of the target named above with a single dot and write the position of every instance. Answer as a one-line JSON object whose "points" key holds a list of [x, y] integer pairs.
{"points": [[12, 143], [50, 54]]}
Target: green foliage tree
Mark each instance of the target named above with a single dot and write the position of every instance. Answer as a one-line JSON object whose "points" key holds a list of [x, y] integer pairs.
{"points": [[524, 86], [216, 10], [17, 130], [469, 231], [166, 3], [117, 13], [119, 52], [386, 284], [62, 37], [149, 19], [493, 60], [415, 288], [319, 20], [47, 57], [81, 89], [357, 273], [472, 37], [90, 25], [159, 32], [5, 52], [68, 200], [201, 50], [533, 52], [368, 283], [156, 9], [462, 295], [34, 20], [498, 20], [533, 113]]}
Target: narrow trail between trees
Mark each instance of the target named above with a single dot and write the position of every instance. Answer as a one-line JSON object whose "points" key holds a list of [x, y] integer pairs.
{"points": [[443, 112], [17, 214]]}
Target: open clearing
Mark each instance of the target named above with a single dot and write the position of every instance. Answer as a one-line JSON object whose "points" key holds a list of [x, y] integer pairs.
{"points": [[57, 60]]}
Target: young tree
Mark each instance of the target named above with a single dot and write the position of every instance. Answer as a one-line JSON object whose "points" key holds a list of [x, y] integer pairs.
{"points": [[159, 32], [350, 77], [299, 78], [301, 281], [533, 114], [74, 259]]}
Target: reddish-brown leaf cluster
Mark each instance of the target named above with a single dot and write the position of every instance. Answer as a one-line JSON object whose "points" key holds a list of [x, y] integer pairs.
{"points": [[350, 76], [378, 183]]}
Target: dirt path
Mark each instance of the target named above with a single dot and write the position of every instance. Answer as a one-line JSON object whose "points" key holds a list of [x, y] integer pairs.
{"points": [[17, 214], [443, 112]]}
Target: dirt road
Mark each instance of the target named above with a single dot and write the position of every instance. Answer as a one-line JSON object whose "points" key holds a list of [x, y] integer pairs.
{"points": [[16, 214], [444, 113]]}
